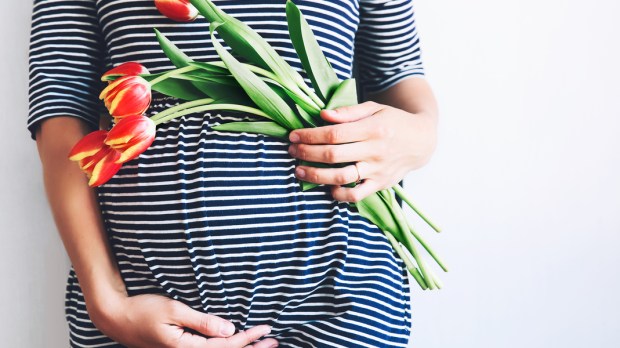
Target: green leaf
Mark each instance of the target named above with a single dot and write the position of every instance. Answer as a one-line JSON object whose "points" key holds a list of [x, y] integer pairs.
{"points": [[218, 70], [267, 128], [176, 88], [249, 44], [265, 98], [176, 56], [345, 95], [315, 63]]}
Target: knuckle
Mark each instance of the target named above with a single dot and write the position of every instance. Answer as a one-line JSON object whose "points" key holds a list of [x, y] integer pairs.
{"points": [[355, 196], [331, 154], [334, 135], [382, 131], [341, 179]]}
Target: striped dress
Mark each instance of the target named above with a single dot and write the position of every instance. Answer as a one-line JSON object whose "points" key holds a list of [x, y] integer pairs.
{"points": [[217, 220]]}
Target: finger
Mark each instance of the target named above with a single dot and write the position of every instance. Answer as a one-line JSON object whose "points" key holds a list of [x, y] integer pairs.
{"points": [[357, 193], [351, 113], [206, 324], [343, 153], [328, 176], [335, 134], [190, 340], [266, 343], [245, 338]]}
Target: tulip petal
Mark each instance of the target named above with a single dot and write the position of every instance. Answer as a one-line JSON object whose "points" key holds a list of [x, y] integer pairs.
{"points": [[105, 169], [177, 10], [131, 136], [129, 68], [88, 145]]}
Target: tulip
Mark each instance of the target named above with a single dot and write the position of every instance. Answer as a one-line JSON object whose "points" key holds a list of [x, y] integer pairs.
{"points": [[126, 96], [95, 158], [131, 136], [125, 69], [177, 10]]}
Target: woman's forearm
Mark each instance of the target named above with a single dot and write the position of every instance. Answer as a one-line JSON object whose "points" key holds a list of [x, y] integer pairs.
{"points": [[76, 213], [413, 95]]}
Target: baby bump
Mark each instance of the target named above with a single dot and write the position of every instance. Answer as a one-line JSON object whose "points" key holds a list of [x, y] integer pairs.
{"points": [[217, 220]]}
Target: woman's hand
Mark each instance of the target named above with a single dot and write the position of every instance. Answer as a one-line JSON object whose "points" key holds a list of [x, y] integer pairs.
{"points": [[153, 321], [381, 142]]}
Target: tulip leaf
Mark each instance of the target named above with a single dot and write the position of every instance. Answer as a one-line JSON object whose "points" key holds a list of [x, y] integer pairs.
{"points": [[176, 88], [316, 65], [249, 44], [176, 56], [264, 97], [266, 128], [218, 70], [345, 95]]}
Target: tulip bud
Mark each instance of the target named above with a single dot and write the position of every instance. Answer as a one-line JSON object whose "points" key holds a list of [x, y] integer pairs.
{"points": [[177, 10], [131, 136], [126, 96], [95, 158], [125, 69]]}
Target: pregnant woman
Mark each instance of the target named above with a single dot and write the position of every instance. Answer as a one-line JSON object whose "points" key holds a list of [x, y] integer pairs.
{"points": [[206, 239]]}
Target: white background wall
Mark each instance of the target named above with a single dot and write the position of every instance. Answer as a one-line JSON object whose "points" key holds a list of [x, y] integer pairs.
{"points": [[525, 180]]}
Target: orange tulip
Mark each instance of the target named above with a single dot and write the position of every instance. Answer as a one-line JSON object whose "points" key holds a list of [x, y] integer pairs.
{"points": [[126, 96], [95, 158], [125, 69], [177, 10], [131, 136]]}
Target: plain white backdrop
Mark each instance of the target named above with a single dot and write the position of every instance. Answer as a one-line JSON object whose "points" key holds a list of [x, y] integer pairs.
{"points": [[525, 181]]}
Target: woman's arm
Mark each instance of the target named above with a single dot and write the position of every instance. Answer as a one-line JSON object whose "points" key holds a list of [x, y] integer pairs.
{"points": [[386, 138], [138, 321]]}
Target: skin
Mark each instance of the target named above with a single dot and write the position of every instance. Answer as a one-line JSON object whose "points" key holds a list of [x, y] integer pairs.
{"points": [[402, 118], [384, 139]]}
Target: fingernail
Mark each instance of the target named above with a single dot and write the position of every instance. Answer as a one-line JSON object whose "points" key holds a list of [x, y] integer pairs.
{"points": [[293, 137], [300, 173], [227, 329], [292, 150], [274, 345]]}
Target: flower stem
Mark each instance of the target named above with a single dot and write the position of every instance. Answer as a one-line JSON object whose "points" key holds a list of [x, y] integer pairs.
{"points": [[402, 224], [230, 107], [171, 73], [403, 195], [182, 106], [427, 247], [410, 266], [299, 93]]}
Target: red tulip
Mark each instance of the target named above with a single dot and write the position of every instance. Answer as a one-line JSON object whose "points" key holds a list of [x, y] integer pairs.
{"points": [[129, 68], [126, 96], [95, 158], [131, 136], [177, 10]]}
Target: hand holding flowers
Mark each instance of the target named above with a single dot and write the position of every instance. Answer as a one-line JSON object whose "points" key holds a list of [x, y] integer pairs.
{"points": [[381, 142]]}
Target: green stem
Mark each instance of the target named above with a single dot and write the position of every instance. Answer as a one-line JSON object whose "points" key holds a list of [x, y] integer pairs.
{"points": [[229, 107], [182, 106], [403, 195], [402, 224], [171, 73], [312, 95], [410, 266], [313, 101], [427, 247]]}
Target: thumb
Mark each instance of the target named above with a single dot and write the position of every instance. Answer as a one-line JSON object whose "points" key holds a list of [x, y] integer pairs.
{"points": [[351, 113], [206, 324]]}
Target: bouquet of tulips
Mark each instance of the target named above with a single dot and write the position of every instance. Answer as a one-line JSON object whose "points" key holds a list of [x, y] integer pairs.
{"points": [[264, 86]]}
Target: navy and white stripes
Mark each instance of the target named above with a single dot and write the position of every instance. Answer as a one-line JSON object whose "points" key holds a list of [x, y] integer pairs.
{"points": [[217, 220]]}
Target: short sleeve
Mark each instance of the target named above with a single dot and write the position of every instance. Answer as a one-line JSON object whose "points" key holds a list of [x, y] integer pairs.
{"points": [[387, 44], [66, 61]]}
